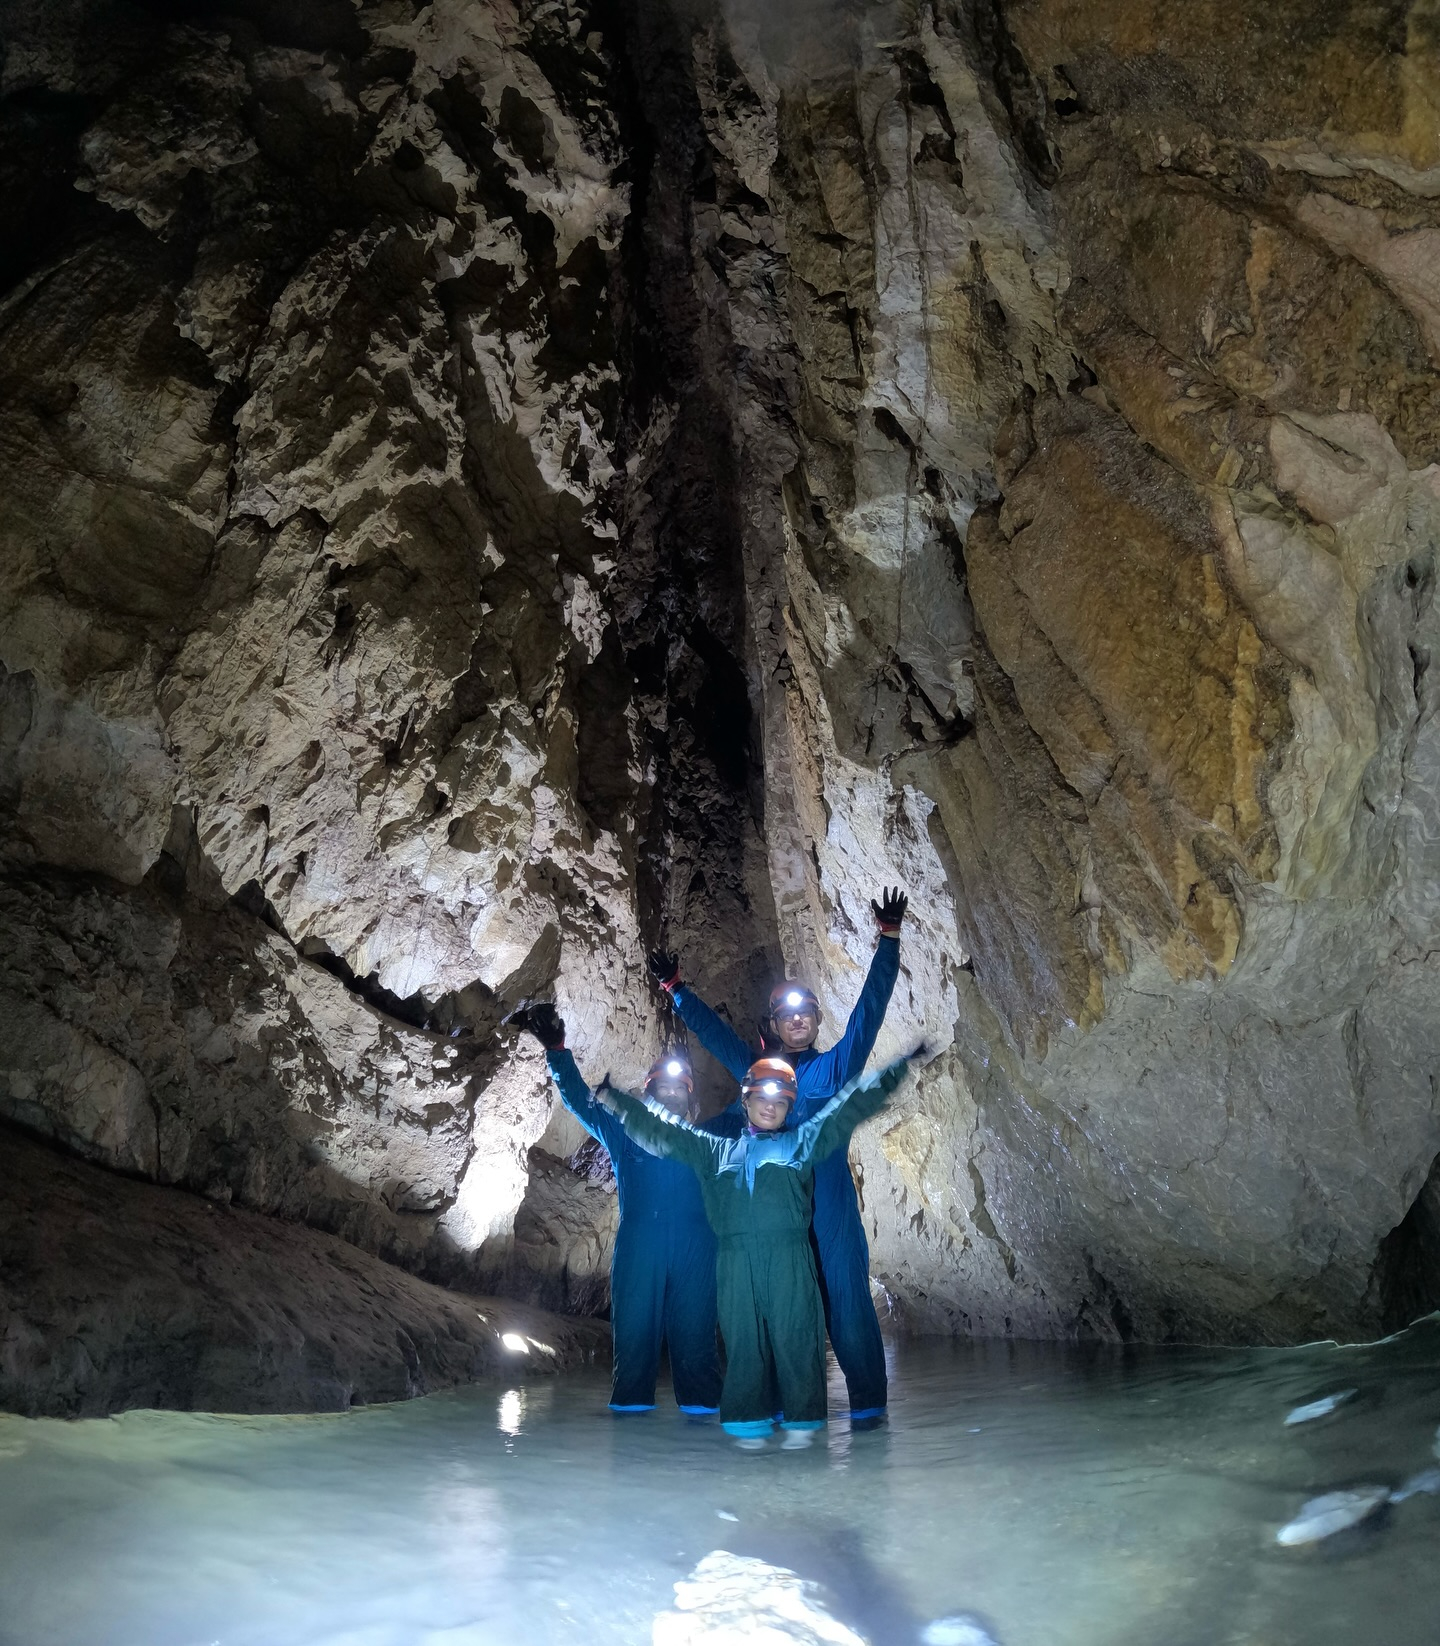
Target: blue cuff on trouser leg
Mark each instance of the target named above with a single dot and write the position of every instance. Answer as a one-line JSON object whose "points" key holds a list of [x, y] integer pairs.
{"points": [[750, 1429], [814, 1423], [615, 1408], [700, 1411], [869, 1411]]}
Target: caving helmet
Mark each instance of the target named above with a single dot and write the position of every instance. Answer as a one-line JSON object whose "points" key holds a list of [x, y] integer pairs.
{"points": [[770, 1077], [793, 997], [672, 1065]]}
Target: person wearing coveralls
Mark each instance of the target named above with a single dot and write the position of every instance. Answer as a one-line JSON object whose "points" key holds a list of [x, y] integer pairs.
{"points": [[838, 1233], [662, 1273], [757, 1193]]}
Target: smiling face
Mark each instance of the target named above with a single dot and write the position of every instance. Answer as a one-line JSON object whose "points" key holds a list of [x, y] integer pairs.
{"points": [[764, 1112], [797, 1026]]}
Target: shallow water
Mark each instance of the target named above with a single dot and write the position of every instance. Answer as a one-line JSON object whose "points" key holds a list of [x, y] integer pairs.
{"points": [[1069, 1497]]}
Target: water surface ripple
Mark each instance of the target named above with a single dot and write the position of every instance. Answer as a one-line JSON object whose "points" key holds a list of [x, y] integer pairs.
{"points": [[1069, 1497]]}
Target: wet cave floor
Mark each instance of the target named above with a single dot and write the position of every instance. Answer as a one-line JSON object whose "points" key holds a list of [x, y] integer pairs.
{"points": [[1065, 1497]]}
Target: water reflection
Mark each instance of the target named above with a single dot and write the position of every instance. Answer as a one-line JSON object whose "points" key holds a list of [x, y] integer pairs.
{"points": [[1064, 1496], [512, 1411]]}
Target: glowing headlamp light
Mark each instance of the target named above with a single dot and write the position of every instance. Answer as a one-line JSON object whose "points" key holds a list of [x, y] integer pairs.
{"points": [[794, 998], [770, 1088], [673, 1069]]}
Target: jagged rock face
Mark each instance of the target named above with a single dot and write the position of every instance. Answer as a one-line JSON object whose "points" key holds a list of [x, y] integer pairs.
{"points": [[1165, 275], [328, 732], [489, 488]]}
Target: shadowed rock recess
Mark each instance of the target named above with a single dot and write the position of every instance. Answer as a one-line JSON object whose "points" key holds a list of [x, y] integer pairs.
{"points": [[488, 487]]}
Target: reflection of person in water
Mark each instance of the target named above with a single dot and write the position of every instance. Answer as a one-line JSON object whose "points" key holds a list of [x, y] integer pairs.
{"points": [[757, 1193], [792, 1030], [662, 1274]]}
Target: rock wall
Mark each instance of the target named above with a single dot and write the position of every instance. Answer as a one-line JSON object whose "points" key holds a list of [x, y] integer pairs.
{"points": [[117, 1294], [491, 487], [336, 719], [1106, 575]]}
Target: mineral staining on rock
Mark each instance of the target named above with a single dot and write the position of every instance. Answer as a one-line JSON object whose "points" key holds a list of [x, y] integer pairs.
{"points": [[488, 488]]}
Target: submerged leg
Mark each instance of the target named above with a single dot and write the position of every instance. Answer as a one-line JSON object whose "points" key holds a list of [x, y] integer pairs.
{"points": [[637, 1307], [796, 1322], [690, 1327], [844, 1256], [743, 1408]]}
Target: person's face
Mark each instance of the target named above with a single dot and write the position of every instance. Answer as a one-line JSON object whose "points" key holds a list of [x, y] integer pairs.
{"points": [[766, 1114], [672, 1094], [797, 1026]]}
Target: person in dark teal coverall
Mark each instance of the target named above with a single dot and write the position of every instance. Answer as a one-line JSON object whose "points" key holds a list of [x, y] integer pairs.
{"points": [[839, 1235], [662, 1274], [757, 1192]]}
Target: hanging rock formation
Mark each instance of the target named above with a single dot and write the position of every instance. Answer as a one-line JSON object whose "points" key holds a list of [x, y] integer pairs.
{"points": [[490, 487]]}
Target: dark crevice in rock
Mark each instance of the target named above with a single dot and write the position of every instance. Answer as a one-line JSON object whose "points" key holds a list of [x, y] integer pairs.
{"points": [[680, 604], [982, 1220], [1407, 1266], [414, 1010], [1014, 84]]}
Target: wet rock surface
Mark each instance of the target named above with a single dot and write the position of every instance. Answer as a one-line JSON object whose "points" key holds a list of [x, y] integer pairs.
{"points": [[117, 1294], [492, 487]]}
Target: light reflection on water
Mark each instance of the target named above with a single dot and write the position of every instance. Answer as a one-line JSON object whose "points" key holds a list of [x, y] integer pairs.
{"points": [[1070, 1497]]}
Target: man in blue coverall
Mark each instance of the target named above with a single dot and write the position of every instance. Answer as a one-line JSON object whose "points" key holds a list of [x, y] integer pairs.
{"points": [[837, 1231], [662, 1274]]}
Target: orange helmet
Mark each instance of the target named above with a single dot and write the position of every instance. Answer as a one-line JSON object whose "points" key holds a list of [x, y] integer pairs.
{"points": [[769, 1077], [794, 997], [672, 1065]]}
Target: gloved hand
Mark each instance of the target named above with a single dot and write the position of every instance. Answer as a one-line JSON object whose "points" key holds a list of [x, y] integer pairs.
{"points": [[771, 1045], [542, 1020], [889, 912], [665, 968]]}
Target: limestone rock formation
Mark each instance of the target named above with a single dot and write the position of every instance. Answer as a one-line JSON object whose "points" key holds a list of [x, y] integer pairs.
{"points": [[1134, 326], [494, 485], [117, 1294]]}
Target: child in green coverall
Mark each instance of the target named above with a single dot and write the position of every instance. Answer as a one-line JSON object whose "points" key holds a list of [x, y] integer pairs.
{"points": [[757, 1194]]}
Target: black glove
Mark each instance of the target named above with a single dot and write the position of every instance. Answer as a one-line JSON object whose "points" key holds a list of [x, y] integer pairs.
{"points": [[771, 1045], [889, 912], [665, 967], [541, 1020]]}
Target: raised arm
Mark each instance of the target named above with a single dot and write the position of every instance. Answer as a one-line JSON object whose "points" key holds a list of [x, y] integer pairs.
{"points": [[548, 1027], [849, 1055], [713, 1032], [673, 1139], [577, 1096], [864, 1096]]}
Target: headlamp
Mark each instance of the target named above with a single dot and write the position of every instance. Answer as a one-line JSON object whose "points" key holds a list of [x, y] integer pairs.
{"points": [[769, 1088], [794, 998], [673, 1069]]}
